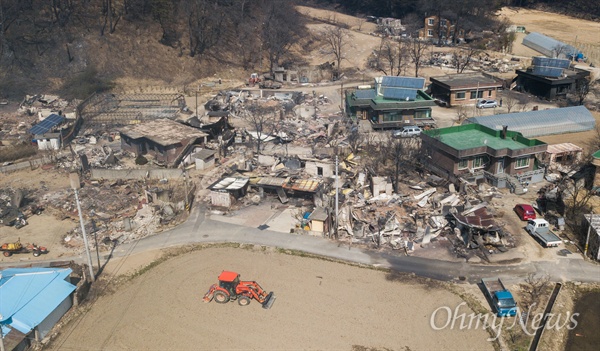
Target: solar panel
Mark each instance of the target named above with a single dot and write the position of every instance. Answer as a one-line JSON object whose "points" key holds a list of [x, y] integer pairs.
{"points": [[48, 123], [551, 62], [400, 94], [403, 82], [547, 71], [365, 94]]}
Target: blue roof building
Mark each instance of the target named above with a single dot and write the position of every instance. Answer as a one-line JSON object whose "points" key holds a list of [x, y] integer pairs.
{"points": [[32, 300]]}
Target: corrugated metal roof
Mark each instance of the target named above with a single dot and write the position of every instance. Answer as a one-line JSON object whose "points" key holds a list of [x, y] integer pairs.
{"points": [[544, 122], [29, 295]]}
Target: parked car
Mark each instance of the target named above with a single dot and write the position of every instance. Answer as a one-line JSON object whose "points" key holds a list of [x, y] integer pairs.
{"points": [[487, 103], [407, 131], [525, 212]]}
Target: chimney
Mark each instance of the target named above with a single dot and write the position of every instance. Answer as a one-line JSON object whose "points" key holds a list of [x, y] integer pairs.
{"points": [[504, 129]]}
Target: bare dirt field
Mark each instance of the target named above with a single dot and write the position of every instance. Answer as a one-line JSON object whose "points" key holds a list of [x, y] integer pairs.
{"points": [[320, 305]]}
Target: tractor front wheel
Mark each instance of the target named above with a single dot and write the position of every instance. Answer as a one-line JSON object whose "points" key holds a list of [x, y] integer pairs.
{"points": [[36, 253], [7, 253], [221, 297], [244, 300]]}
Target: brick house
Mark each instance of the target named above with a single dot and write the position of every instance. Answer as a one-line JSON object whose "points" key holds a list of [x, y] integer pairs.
{"points": [[440, 31], [475, 152], [465, 88]]}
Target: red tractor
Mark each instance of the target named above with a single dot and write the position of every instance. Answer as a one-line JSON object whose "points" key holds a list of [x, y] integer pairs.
{"points": [[231, 288]]}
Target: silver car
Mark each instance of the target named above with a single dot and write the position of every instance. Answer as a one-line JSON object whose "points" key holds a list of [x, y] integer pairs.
{"points": [[487, 103], [407, 131]]}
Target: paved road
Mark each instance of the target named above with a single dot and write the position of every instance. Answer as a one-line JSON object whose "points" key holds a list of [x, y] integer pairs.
{"points": [[199, 229]]}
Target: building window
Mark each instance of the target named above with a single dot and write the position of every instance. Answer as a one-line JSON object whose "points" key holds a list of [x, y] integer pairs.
{"points": [[460, 95], [419, 114], [430, 22], [443, 22], [522, 162], [490, 93], [463, 164], [429, 32], [476, 94], [479, 162]]}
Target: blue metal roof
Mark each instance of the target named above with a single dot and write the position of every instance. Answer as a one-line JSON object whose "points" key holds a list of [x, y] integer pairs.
{"points": [[48, 123], [543, 122], [403, 82], [551, 62], [29, 295]]}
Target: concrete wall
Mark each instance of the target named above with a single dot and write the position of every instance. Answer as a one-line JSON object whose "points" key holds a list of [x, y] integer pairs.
{"points": [[158, 173], [312, 168], [27, 164]]}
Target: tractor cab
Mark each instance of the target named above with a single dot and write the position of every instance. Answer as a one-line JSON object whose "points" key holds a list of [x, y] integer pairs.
{"points": [[229, 281]]}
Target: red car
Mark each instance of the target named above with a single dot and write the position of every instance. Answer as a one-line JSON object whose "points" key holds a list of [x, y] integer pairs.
{"points": [[525, 212]]}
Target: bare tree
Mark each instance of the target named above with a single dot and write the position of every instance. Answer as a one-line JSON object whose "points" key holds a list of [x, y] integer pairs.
{"points": [[392, 57], [205, 24], [535, 287], [559, 50], [404, 153], [280, 30], [416, 50], [111, 16], [461, 114], [582, 89], [360, 22], [337, 40], [510, 100], [463, 57], [262, 119]]}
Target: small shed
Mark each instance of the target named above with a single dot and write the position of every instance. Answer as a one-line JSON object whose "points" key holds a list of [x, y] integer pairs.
{"points": [[47, 133], [204, 159], [319, 221]]}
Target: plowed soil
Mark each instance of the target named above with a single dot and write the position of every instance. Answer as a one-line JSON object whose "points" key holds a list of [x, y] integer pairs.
{"points": [[320, 305]]}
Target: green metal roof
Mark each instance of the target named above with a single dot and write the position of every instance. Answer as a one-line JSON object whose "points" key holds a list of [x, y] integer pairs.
{"points": [[596, 154], [472, 136]]}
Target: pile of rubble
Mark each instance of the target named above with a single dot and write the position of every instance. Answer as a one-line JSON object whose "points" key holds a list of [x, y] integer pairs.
{"points": [[120, 210]]}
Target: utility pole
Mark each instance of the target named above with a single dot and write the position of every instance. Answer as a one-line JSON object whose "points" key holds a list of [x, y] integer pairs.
{"points": [[93, 214], [74, 177], [185, 185], [337, 182]]}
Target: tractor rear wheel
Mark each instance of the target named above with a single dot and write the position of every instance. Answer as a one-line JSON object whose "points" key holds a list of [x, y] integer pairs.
{"points": [[36, 253], [7, 253], [244, 300], [221, 297]]}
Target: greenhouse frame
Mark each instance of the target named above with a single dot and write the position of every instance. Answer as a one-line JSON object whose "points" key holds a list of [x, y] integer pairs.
{"points": [[539, 123]]}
